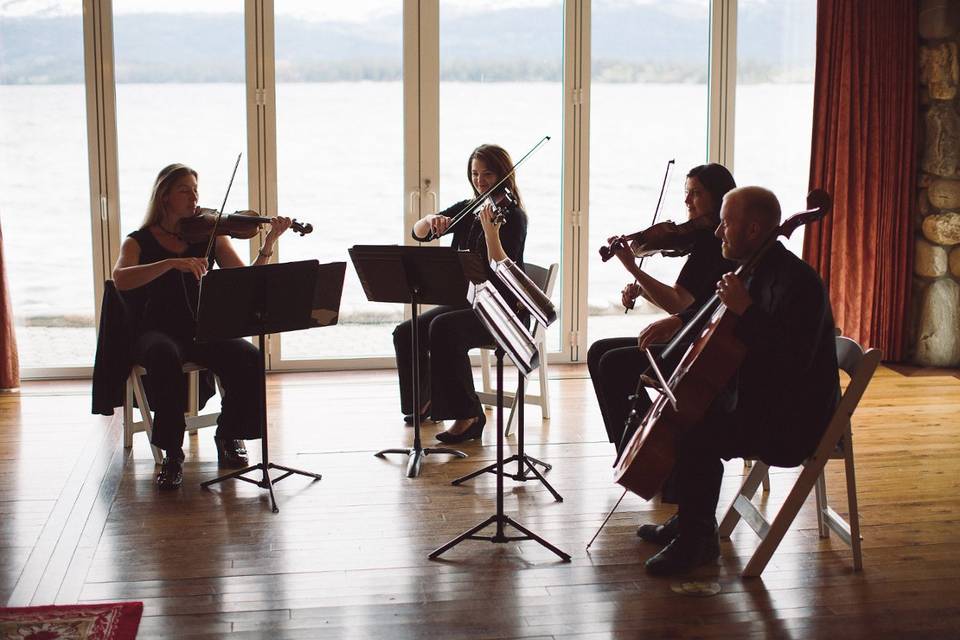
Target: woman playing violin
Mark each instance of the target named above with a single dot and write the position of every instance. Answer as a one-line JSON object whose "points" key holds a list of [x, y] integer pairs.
{"points": [[447, 333], [615, 364], [163, 271]]}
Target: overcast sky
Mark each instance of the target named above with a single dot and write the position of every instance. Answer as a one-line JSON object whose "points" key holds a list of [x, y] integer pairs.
{"points": [[325, 10]]}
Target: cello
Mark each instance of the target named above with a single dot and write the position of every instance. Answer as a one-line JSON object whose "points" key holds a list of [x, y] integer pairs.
{"points": [[712, 358]]}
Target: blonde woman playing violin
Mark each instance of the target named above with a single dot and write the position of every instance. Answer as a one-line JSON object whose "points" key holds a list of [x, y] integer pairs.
{"points": [[615, 364], [161, 272], [447, 333]]}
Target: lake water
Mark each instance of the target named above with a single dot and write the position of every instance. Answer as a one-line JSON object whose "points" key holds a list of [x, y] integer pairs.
{"points": [[340, 149]]}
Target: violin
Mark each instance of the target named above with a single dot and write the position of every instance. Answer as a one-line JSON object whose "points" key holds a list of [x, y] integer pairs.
{"points": [[240, 224], [500, 202], [494, 195], [667, 238], [711, 360]]}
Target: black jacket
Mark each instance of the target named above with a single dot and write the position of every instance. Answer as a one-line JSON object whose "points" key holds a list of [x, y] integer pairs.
{"points": [[788, 385], [119, 321]]}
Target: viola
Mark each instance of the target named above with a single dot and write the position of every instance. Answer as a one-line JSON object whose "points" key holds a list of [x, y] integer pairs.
{"points": [[667, 238], [240, 224], [709, 363]]}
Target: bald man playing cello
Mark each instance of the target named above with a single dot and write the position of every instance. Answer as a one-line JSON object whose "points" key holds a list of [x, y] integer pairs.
{"points": [[778, 404]]}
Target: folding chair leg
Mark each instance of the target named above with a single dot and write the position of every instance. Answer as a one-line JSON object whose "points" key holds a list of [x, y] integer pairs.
{"points": [[778, 528], [513, 410], [544, 386], [748, 489], [147, 416], [193, 393], [485, 370], [128, 416], [821, 491], [852, 505]]}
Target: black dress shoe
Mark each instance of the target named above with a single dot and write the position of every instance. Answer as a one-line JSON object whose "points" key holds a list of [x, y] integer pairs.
{"points": [[684, 553], [473, 432], [171, 474], [230, 453], [661, 534]]}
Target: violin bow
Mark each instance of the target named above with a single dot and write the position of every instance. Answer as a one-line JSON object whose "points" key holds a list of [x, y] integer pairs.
{"points": [[216, 223], [480, 198], [656, 212]]}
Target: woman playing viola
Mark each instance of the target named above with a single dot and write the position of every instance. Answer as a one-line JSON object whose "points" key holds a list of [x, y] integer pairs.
{"points": [[447, 333], [615, 364], [162, 272]]}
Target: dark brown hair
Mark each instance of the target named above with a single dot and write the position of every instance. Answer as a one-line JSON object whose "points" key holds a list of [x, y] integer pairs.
{"points": [[497, 160], [716, 179]]}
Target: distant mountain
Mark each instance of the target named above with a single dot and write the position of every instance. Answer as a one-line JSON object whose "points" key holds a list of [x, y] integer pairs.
{"points": [[629, 43]]}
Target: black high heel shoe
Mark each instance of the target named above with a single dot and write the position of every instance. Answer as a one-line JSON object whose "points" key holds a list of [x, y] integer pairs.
{"points": [[230, 453], [473, 432]]}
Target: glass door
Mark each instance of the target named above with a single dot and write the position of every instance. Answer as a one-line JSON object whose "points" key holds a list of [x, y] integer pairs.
{"points": [[44, 188], [776, 57], [181, 98], [648, 104], [501, 82], [340, 156]]}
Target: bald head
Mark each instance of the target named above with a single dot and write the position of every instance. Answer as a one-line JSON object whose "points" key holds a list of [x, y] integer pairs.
{"points": [[759, 205], [747, 217]]}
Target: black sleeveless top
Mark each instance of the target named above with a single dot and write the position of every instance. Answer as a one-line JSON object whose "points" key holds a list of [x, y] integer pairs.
{"points": [[169, 303], [704, 267]]}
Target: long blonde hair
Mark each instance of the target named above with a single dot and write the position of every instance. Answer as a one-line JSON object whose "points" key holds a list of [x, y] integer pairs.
{"points": [[167, 177], [499, 162]]}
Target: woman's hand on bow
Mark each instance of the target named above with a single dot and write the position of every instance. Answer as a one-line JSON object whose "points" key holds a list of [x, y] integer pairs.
{"points": [[196, 266]]}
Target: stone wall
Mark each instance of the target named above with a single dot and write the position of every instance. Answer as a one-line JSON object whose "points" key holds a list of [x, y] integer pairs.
{"points": [[935, 335]]}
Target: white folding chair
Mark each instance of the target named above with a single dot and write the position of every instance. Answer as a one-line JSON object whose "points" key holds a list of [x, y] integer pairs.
{"points": [[136, 389], [836, 443], [546, 279]]}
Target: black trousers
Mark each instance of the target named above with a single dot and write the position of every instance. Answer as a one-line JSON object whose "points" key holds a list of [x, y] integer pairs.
{"points": [[615, 365], [698, 470], [446, 379], [235, 362]]}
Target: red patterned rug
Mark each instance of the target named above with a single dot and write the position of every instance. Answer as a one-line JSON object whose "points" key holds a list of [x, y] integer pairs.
{"points": [[107, 621]]}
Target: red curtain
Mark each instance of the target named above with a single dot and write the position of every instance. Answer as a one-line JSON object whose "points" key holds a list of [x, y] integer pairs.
{"points": [[863, 154], [10, 367]]}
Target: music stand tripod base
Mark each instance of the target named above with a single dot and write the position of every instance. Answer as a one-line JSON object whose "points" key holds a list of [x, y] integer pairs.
{"points": [[417, 453], [417, 456], [499, 518], [258, 301], [265, 482], [524, 462], [415, 275]]}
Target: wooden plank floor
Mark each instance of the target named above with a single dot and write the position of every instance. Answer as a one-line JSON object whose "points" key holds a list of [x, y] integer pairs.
{"points": [[80, 520]]}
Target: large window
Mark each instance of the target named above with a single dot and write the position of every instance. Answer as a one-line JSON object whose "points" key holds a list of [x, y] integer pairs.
{"points": [[360, 116], [180, 98], [340, 154], [44, 193], [499, 85], [776, 54], [648, 105]]}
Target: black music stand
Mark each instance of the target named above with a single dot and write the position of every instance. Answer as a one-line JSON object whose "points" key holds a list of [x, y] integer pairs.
{"points": [[416, 275], [511, 336], [255, 301], [542, 312]]}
